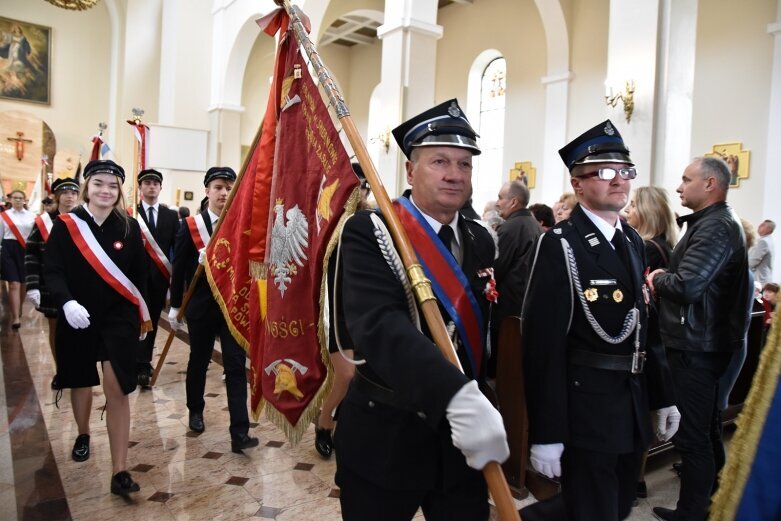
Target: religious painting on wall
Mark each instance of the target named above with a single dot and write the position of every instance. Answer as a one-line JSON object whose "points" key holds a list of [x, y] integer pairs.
{"points": [[524, 171], [736, 158], [25, 54]]}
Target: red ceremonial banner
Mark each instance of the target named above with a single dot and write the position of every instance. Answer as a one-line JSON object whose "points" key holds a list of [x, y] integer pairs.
{"points": [[265, 263]]}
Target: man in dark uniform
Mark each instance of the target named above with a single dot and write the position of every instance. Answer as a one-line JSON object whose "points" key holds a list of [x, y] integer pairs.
{"points": [[205, 320], [584, 319], [517, 237], [160, 225], [413, 428]]}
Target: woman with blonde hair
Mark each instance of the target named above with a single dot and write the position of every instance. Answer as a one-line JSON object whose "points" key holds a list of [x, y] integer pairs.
{"points": [[566, 204], [95, 266]]}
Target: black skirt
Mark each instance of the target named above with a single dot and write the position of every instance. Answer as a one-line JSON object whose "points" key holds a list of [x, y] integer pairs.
{"points": [[12, 261]]}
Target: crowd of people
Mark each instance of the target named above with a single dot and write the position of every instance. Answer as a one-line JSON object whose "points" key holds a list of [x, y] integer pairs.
{"points": [[634, 323]]}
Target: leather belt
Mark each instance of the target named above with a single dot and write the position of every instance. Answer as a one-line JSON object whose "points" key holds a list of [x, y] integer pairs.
{"points": [[600, 360]]}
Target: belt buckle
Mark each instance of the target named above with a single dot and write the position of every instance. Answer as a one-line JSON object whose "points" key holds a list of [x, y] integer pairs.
{"points": [[638, 362]]}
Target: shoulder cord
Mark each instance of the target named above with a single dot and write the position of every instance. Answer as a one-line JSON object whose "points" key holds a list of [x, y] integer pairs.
{"points": [[335, 324], [630, 322], [531, 276]]}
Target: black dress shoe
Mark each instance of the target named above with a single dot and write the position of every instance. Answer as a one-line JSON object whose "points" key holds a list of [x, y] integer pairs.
{"points": [[196, 422], [677, 468], [16, 325], [55, 383], [243, 441], [143, 379], [80, 450], [324, 443], [122, 484], [642, 489], [665, 514]]}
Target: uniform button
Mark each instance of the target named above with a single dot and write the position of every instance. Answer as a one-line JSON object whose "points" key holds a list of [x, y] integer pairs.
{"points": [[371, 403], [577, 384], [421, 415]]}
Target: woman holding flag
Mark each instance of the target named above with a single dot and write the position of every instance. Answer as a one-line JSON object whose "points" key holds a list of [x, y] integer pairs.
{"points": [[15, 225], [95, 267]]}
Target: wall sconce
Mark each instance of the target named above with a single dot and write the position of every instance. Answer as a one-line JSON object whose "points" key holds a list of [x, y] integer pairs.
{"points": [[627, 98], [383, 139]]}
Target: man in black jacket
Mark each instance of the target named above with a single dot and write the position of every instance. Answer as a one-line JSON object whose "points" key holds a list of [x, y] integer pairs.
{"points": [[414, 431], [588, 391], [158, 228], [517, 236], [703, 320]]}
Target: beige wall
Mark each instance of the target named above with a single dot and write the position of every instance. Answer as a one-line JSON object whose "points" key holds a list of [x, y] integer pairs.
{"points": [[256, 86], [731, 88], [79, 70]]}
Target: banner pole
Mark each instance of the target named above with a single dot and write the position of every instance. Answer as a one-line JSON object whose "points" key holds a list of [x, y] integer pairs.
{"points": [[492, 472], [200, 270]]}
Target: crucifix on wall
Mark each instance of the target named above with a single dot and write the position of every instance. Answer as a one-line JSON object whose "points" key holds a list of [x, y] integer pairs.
{"points": [[19, 144]]}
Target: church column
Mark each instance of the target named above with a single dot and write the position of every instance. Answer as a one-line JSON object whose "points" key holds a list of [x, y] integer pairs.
{"points": [[225, 132], [632, 50], [409, 54], [771, 209], [555, 180], [677, 56]]}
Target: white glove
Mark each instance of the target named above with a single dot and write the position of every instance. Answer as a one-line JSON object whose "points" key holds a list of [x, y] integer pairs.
{"points": [[76, 315], [172, 319], [142, 336], [34, 296], [202, 256], [477, 429], [546, 459], [667, 422]]}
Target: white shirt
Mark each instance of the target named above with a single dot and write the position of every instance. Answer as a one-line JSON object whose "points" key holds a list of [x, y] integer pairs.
{"points": [[24, 221], [436, 225], [603, 226], [146, 208], [213, 216]]}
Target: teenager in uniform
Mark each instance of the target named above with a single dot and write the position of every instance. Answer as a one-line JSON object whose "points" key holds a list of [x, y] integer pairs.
{"points": [[95, 267], [590, 382], [15, 225], [66, 197], [205, 320], [414, 431], [159, 226]]}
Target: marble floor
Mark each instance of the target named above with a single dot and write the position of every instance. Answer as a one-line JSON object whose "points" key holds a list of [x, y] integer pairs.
{"points": [[183, 475]]}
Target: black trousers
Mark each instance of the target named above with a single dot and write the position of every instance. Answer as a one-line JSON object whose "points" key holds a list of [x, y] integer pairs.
{"points": [[202, 334], [696, 377], [597, 486], [156, 292], [362, 500]]}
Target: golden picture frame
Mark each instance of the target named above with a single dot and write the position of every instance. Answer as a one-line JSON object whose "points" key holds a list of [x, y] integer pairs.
{"points": [[25, 61], [736, 158], [526, 172]]}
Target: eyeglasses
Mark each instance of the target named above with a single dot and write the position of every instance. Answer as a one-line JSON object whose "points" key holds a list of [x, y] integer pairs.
{"points": [[608, 174]]}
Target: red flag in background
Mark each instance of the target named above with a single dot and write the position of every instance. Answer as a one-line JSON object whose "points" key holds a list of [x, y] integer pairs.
{"points": [[97, 144], [141, 133], [265, 263]]}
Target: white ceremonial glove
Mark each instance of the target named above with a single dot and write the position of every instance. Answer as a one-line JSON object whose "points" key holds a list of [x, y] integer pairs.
{"points": [[667, 422], [76, 315], [546, 459], [202, 256], [476, 427], [34, 296], [142, 336], [172, 319]]}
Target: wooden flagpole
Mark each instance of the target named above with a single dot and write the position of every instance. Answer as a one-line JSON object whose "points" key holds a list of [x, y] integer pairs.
{"points": [[492, 472]]}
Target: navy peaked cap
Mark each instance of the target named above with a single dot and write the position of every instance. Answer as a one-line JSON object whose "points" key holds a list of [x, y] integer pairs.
{"points": [[219, 172], [444, 125], [65, 183], [104, 166], [600, 144], [151, 174]]}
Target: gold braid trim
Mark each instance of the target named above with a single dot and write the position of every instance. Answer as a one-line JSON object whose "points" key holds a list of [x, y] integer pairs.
{"points": [[243, 342], [751, 423]]}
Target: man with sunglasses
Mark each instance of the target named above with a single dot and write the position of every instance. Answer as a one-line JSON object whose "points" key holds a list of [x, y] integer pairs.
{"points": [[590, 384]]}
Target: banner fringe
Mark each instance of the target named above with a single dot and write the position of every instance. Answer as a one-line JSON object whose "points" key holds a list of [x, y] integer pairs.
{"points": [[751, 424], [258, 270], [243, 342]]}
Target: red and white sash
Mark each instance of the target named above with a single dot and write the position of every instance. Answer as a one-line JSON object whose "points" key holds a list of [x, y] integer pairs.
{"points": [[97, 257], [12, 226], [154, 250], [198, 231], [44, 223]]}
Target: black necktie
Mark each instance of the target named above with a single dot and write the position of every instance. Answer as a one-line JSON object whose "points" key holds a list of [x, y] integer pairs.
{"points": [[446, 235], [619, 241], [151, 219]]}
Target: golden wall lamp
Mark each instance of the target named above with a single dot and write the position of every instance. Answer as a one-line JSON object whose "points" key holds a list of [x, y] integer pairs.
{"points": [[383, 139], [627, 97]]}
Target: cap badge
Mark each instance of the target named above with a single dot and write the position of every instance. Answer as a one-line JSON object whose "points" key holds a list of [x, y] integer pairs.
{"points": [[591, 294], [118, 245], [618, 295], [609, 130], [453, 110], [557, 231]]}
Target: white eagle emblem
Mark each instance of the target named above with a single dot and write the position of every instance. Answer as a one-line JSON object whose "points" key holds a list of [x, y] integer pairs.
{"points": [[288, 244]]}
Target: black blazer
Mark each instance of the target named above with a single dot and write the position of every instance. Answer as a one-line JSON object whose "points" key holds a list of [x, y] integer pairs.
{"points": [[591, 408], [184, 266], [405, 445], [166, 229]]}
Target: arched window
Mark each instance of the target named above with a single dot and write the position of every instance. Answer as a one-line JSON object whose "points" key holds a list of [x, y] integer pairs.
{"points": [[489, 174]]}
